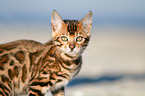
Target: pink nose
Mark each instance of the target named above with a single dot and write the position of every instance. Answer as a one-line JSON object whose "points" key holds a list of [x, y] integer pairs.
{"points": [[71, 47]]}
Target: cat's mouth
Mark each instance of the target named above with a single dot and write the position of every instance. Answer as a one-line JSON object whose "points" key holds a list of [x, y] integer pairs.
{"points": [[70, 52], [73, 54]]}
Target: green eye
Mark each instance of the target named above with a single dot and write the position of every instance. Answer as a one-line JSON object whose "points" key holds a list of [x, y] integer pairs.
{"points": [[79, 38], [64, 38]]}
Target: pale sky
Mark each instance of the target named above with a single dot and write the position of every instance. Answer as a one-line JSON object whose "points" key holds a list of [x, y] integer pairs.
{"points": [[40, 10]]}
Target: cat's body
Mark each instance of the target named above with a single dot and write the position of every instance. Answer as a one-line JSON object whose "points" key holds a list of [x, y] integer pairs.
{"points": [[29, 67]]}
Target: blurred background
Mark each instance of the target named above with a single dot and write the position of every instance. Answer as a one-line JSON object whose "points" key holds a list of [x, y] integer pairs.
{"points": [[113, 63]]}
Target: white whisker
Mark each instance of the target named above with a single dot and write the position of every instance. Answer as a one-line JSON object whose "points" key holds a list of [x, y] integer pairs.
{"points": [[91, 48]]}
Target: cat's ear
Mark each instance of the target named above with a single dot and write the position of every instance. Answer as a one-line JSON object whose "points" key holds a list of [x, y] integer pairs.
{"points": [[56, 21], [86, 22]]}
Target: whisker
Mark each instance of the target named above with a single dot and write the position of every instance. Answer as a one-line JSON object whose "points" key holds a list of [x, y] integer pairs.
{"points": [[93, 49], [85, 57]]}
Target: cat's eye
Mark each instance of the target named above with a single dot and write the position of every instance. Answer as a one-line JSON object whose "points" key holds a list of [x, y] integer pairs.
{"points": [[64, 38], [79, 38]]}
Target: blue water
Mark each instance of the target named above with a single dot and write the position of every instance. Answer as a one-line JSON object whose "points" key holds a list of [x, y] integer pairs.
{"points": [[79, 81], [105, 78]]}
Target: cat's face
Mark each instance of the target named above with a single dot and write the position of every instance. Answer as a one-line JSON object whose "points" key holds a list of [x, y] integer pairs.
{"points": [[71, 36]]}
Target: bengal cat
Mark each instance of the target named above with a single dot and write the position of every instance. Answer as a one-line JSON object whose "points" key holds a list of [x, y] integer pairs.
{"points": [[29, 67]]}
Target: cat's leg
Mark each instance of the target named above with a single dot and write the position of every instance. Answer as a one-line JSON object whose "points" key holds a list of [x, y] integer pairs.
{"points": [[59, 92], [35, 92], [38, 89]]}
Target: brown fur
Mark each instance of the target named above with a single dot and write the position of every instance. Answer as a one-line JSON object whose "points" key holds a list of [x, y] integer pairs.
{"points": [[29, 67]]}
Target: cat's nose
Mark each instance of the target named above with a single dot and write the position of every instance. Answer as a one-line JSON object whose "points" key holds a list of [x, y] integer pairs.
{"points": [[71, 47]]}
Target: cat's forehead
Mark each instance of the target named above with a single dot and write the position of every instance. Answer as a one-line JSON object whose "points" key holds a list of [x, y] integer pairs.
{"points": [[71, 22], [72, 26]]}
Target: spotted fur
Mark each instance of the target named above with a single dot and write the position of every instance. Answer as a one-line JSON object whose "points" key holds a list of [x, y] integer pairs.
{"points": [[29, 67]]}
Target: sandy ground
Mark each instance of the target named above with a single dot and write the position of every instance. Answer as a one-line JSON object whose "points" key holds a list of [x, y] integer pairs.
{"points": [[117, 88], [112, 51]]}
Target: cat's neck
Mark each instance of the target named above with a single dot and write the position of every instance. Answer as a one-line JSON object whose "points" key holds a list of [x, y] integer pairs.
{"points": [[60, 53]]}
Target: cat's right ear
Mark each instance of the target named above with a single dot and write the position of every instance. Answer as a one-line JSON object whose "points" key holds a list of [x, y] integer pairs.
{"points": [[56, 21], [86, 22]]}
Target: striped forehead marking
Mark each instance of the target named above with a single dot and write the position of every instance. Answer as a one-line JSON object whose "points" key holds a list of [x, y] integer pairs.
{"points": [[72, 26]]}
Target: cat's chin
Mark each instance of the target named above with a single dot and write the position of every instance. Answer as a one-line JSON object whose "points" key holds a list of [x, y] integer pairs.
{"points": [[73, 54]]}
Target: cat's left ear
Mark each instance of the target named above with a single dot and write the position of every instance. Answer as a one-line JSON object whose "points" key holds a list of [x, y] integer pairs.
{"points": [[86, 22]]}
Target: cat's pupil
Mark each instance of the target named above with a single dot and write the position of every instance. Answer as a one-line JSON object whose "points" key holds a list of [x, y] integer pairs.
{"points": [[79, 38], [64, 38]]}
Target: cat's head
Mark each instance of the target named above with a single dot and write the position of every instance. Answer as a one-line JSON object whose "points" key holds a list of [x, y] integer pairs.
{"points": [[71, 36]]}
